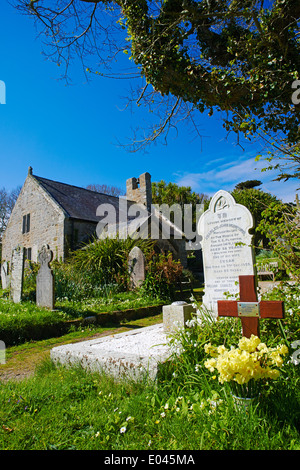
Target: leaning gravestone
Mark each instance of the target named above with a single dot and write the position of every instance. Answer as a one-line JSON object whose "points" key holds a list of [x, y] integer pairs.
{"points": [[5, 280], [226, 248], [136, 266], [45, 280], [17, 273]]}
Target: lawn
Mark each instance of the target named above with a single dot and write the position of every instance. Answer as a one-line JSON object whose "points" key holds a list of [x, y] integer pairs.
{"points": [[186, 408], [63, 408], [26, 321]]}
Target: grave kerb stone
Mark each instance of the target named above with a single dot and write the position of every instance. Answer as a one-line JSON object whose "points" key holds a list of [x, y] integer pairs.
{"points": [[176, 315], [132, 355]]}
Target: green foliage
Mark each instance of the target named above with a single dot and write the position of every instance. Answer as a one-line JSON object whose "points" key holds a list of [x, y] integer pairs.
{"points": [[99, 268], [280, 225], [282, 156], [26, 322], [248, 184], [256, 201], [162, 275], [29, 281], [240, 57], [171, 193], [74, 285], [289, 327]]}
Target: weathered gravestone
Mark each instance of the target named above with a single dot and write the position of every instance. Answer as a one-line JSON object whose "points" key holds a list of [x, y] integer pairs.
{"points": [[2, 352], [226, 247], [136, 267], [5, 279], [45, 279], [17, 274]]}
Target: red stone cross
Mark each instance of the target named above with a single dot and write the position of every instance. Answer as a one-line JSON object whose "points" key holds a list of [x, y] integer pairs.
{"points": [[248, 309]]}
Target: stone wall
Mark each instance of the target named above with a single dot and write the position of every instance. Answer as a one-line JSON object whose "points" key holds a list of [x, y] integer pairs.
{"points": [[78, 232], [139, 190], [46, 223]]}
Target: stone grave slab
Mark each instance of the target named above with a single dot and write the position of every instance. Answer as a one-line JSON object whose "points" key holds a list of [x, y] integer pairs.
{"points": [[176, 315], [226, 247], [134, 354]]}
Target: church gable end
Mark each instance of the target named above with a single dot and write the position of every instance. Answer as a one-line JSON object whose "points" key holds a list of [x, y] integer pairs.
{"points": [[35, 220]]}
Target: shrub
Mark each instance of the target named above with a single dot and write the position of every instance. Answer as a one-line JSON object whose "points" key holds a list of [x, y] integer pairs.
{"points": [[280, 224], [25, 322], [106, 261], [163, 273]]}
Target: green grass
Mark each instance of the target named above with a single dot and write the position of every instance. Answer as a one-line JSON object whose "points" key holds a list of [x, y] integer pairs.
{"points": [[92, 306], [26, 321], [72, 409], [185, 409]]}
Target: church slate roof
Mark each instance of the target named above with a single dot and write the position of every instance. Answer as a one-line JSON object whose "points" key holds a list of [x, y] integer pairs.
{"points": [[78, 203]]}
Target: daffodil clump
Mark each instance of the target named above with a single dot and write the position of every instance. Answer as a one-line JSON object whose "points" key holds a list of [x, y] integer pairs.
{"points": [[247, 366]]}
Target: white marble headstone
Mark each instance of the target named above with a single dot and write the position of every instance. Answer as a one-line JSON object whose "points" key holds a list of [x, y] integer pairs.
{"points": [[226, 247]]}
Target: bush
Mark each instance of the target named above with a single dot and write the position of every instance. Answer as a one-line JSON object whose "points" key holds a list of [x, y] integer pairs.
{"points": [[289, 327], [105, 262], [74, 285], [162, 275], [280, 224], [25, 322]]}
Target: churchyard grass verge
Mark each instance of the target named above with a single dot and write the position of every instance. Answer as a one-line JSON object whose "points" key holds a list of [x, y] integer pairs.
{"points": [[25, 321], [186, 408], [73, 409]]}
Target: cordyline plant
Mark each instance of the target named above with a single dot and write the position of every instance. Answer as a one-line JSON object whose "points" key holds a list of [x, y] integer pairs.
{"points": [[106, 260], [281, 226]]}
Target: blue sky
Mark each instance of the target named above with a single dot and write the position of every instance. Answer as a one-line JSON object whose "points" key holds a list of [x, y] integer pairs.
{"points": [[70, 133]]}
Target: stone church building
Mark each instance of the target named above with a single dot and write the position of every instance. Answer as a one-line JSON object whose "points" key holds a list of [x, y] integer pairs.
{"points": [[65, 216]]}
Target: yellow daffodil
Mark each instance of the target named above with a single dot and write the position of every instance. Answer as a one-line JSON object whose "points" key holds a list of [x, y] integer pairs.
{"points": [[252, 360]]}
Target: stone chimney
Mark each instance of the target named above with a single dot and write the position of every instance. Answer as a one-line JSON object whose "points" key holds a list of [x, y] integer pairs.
{"points": [[139, 190]]}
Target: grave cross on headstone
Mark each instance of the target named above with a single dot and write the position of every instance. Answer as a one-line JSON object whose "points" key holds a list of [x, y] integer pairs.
{"points": [[248, 309], [45, 281]]}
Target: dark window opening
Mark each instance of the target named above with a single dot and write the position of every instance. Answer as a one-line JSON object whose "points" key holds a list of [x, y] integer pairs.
{"points": [[26, 223], [28, 254]]}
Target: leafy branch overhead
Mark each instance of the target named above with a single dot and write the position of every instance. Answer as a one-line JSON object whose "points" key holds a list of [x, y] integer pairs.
{"points": [[237, 56]]}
